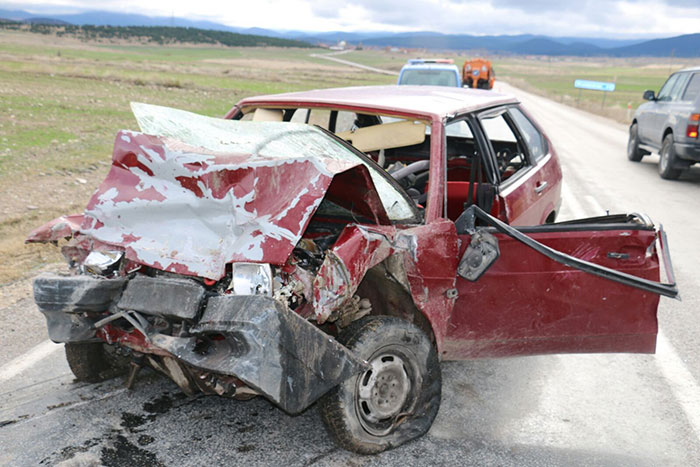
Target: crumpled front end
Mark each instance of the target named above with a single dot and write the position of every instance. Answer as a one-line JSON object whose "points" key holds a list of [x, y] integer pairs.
{"points": [[204, 341], [208, 251]]}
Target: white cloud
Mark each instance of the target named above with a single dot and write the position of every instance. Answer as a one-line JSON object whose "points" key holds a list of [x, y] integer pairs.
{"points": [[616, 18]]}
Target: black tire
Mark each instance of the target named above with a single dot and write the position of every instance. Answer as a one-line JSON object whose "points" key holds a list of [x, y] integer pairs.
{"points": [[634, 153], [91, 362], [667, 160], [405, 370]]}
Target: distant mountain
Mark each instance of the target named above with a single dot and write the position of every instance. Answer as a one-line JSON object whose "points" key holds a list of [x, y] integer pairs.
{"points": [[544, 46], [335, 36], [40, 20], [522, 44], [14, 15], [519, 44], [681, 46], [687, 45], [603, 43]]}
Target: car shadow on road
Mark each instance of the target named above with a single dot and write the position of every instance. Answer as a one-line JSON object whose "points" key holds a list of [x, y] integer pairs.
{"points": [[651, 165]]}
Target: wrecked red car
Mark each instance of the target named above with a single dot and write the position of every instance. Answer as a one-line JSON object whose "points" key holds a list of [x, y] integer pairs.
{"points": [[276, 259]]}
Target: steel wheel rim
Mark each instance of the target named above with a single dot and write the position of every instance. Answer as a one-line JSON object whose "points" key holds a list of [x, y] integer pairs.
{"points": [[383, 392]]}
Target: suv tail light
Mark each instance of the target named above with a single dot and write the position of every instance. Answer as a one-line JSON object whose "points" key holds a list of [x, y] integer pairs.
{"points": [[692, 130]]}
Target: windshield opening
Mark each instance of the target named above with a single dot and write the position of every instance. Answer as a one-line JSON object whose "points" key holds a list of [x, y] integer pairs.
{"points": [[429, 77]]}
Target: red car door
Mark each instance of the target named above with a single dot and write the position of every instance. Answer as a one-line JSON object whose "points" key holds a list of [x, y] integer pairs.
{"points": [[530, 188], [527, 303]]}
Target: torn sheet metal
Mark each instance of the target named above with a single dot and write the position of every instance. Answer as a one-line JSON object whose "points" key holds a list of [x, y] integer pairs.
{"points": [[429, 256], [432, 272], [267, 346], [57, 229], [200, 192], [358, 249], [192, 213], [266, 140]]}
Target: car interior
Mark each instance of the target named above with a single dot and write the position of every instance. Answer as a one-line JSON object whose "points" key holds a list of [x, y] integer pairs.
{"points": [[402, 148]]}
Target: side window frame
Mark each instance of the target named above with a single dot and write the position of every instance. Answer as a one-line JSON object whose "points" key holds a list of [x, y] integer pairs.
{"points": [[670, 84], [679, 89], [503, 111], [482, 146], [545, 145], [693, 78]]}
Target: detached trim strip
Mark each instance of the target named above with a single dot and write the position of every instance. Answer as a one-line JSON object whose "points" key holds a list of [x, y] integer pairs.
{"points": [[466, 223]]}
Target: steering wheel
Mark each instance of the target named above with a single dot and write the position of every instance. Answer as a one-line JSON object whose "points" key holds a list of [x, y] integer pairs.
{"points": [[414, 167], [504, 157]]}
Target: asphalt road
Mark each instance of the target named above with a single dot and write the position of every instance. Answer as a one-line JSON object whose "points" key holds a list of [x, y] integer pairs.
{"points": [[636, 410]]}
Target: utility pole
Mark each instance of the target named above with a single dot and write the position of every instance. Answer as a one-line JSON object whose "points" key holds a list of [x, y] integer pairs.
{"points": [[670, 60]]}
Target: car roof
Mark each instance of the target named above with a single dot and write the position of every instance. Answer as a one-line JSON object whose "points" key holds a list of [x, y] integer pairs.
{"points": [[429, 101], [695, 68], [430, 66]]}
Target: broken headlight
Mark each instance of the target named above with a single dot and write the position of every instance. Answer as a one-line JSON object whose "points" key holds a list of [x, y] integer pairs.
{"points": [[251, 279], [102, 263]]}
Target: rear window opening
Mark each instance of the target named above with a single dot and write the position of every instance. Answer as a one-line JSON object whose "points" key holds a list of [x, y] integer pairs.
{"points": [[429, 77]]}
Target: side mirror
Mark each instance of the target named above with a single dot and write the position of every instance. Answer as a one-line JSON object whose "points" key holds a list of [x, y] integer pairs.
{"points": [[649, 95], [479, 256]]}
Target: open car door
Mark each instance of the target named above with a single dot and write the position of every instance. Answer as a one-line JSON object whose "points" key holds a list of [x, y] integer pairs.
{"points": [[584, 286]]}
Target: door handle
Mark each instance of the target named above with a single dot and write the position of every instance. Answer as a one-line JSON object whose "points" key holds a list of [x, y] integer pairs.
{"points": [[540, 187], [616, 255]]}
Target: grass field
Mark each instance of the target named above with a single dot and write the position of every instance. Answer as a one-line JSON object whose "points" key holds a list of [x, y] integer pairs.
{"points": [[63, 100], [555, 78]]}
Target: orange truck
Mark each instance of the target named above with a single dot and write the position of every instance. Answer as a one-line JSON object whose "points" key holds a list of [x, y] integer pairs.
{"points": [[478, 73]]}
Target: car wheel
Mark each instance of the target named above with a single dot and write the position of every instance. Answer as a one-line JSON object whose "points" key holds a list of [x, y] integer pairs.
{"points": [[667, 159], [633, 152], [396, 399], [93, 362]]}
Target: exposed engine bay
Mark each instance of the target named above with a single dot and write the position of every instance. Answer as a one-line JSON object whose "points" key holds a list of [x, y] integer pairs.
{"points": [[210, 335]]}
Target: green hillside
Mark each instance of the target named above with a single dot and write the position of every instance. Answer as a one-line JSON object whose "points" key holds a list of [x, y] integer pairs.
{"points": [[156, 34]]}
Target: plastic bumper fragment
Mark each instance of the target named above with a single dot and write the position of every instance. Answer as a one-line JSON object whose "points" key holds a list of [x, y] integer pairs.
{"points": [[268, 347], [163, 296], [64, 299]]}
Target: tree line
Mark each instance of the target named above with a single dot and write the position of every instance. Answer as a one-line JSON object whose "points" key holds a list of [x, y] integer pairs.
{"points": [[156, 34]]}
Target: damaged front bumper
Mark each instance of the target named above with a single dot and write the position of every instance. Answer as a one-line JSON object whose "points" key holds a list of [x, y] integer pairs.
{"points": [[254, 338]]}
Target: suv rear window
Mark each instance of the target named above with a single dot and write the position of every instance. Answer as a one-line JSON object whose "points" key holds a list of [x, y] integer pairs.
{"points": [[693, 89], [667, 89], [429, 77]]}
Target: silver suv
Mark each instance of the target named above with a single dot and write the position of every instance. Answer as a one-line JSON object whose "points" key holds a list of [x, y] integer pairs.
{"points": [[668, 123]]}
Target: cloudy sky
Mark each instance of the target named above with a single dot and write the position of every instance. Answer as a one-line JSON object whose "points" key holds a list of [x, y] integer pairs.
{"points": [[599, 18]]}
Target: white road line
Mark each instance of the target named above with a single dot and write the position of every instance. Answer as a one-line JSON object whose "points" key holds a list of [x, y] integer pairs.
{"points": [[681, 381], [27, 360], [685, 389], [570, 202]]}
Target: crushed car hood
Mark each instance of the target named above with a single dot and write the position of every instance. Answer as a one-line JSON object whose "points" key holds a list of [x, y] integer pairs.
{"points": [[192, 193]]}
